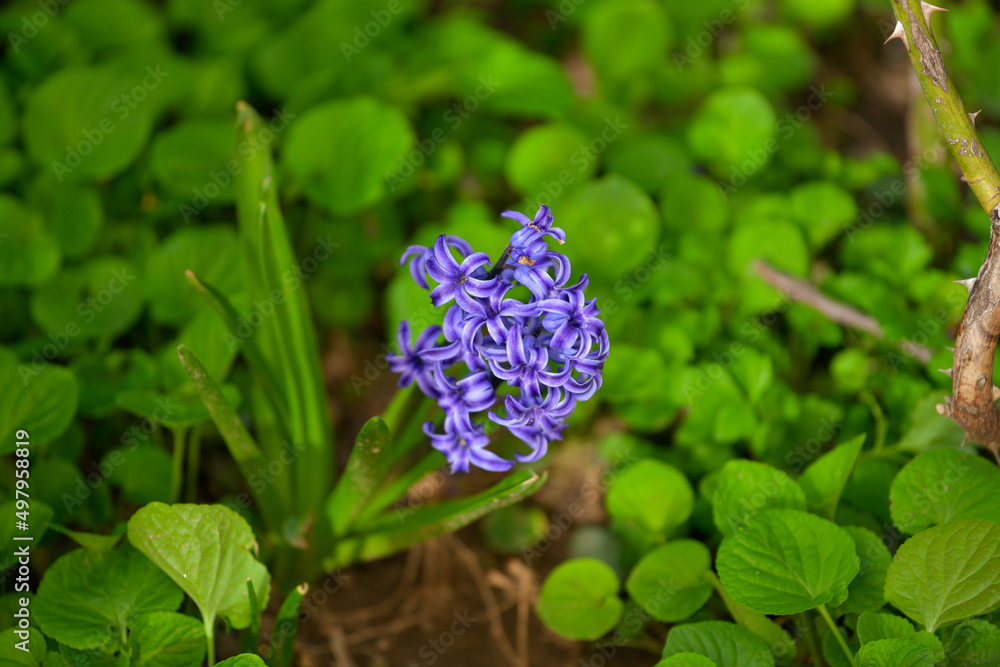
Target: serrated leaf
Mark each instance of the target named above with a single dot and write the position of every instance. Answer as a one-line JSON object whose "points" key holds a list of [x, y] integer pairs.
{"points": [[944, 485], [242, 660], [579, 600], [747, 487], [669, 581], [895, 653], [824, 480], [166, 639], [726, 644], [786, 562], [947, 573], [685, 660], [88, 600], [867, 591], [873, 627], [208, 551], [974, 642]]}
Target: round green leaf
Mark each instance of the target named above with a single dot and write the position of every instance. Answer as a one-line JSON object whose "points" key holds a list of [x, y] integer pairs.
{"points": [[242, 660], [74, 216], [29, 255], [787, 561], [40, 400], [726, 644], [349, 153], [623, 36], [823, 209], [651, 496], [733, 133], [944, 485], [579, 600], [648, 161], [88, 600], [744, 488], [777, 241], [109, 24], [669, 581], [138, 472], [12, 656], [692, 201], [873, 627], [211, 252], [824, 479], [89, 122], [549, 158], [190, 174], [620, 215], [818, 14], [947, 573], [101, 298], [866, 592], [975, 642]]}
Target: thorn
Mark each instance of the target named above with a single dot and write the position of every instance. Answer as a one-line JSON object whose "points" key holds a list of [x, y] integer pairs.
{"points": [[972, 116], [928, 9], [968, 283], [947, 371], [943, 410], [965, 440], [996, 392], [899, 33], [950, 349]]}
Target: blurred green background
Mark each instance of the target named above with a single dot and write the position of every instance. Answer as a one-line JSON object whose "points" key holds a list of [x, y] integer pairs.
{"points": [[675, 142]]}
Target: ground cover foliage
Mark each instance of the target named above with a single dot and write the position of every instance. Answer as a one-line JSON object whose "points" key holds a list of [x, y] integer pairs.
{"points": [[203, 213]]}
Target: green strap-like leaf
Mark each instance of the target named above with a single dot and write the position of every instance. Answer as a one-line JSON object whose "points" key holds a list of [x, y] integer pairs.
{"points": [[366, 469]]}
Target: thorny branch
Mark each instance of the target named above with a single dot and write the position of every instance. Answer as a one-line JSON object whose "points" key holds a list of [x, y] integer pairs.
{"points": [[973, 402]]}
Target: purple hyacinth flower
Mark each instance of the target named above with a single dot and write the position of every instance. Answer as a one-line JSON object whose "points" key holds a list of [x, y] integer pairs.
{"points": [[533, 229], [537, 423], [416, 362], [571, 320], [418, 256], [528, 365], [463, 282], [463, 444]]}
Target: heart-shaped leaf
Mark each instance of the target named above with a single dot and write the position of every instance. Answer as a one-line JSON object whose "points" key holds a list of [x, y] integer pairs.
{"points": [[726, 644], [947, 573], [974, 642], [747, 487], [669, 582], [895, 653], [867, 591], [579, 600], [824, 480], [208, 551], [787, 561], [166, 639], [41, 401]]}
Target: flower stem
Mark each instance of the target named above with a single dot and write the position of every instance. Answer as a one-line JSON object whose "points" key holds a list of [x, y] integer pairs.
{"points": [[836, 633], [499, 266], [177, 473]]}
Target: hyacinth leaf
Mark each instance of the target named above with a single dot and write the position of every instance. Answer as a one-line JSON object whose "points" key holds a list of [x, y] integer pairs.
{"points": [[241, 444], [395, 487], [944, 485], [579, 599], [722, 642], [824, 480], [786, 562], [397, 530], [366, 470], [947, 573], [747, 487], [669, 581], [286, 626]]}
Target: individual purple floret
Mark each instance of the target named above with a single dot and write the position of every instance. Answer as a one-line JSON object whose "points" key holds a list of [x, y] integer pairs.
{"points": [[542, 356]]}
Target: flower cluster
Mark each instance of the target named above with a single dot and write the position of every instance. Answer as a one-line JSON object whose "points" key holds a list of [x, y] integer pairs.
{"points": [[551, 348]]}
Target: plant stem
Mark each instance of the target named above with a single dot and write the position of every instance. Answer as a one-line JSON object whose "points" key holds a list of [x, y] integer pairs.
{"points": [[836, 633], [878, 417], [177, 472], [809, 634], [210, 640], [973, 401], [194, 456], [499, 266]]}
